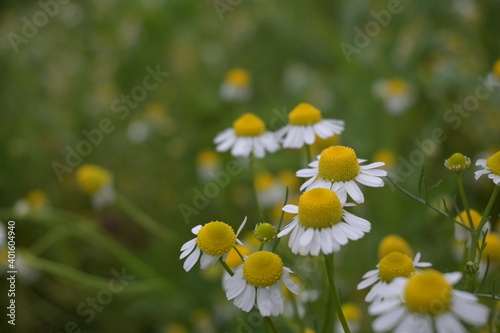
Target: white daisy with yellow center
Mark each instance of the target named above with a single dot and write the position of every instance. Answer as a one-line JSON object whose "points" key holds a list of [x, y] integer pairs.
{"points": [[304, 123], [396, 94], [322, 224], [97, 182], [213, 240], [393, 265], [493, 78], [236, 85], [427, 302], [259, 280], [339, 169], [247, 136], [490, 167]]}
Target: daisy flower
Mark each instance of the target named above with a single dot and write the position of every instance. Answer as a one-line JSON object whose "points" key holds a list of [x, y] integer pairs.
{"points": [[490, 167], [96, 182], [427, 302], [213, 240], [236, 85], [339, 169], [462, 234], [393, 265], [247, 136], [259, 279], [393, 243], [396, 94], [493, 77], [305, 122], [321, 223]]}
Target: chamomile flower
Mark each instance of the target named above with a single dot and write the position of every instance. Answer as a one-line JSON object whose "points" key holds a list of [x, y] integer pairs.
{"points": [[462, 234], [96, 182], [305, 122], [393, 265], [396, 94], [35, 201], [207, 164], [490, 167], [339, 169], [236, 85], [493, 77], [247, 136], [322, 224], [259, 280], [213, 240], [427, 302], [393, 243]]}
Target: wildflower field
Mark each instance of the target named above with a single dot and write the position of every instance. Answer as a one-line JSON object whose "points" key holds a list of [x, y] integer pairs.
{"points": [[250, 166]]}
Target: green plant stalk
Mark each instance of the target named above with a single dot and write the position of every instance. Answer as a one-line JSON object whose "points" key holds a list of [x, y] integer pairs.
{"points": [[143, 219], [308, 153], [295, 307], [277, 241], [251, 168], [464, 200], [48, 240], [329, 267], [226, 266], [85, 280], [271, 324]]}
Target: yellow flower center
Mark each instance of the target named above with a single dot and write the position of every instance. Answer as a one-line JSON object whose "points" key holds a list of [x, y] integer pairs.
{"points": [[351, 311], [338, 164], [428, 292], [92, 178], [493, 162], [394, 265], [233, 259], [264, 181], [37, 199], [249, 125], [263, 269], [208, 157], [385, 155], [394, 243], [238, 77], [319, 208], [216, 238], [304, 114], [496, 68], [492, 247], [396, 87], [476, 218]]}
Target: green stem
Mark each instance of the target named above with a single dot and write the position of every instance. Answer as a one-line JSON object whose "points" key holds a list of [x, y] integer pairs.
{"points": [[83, 279], [464, 199], [308, 153], [239, 253], [261, 246], [271, 324], [143, 219], [226, 267], [48, 240], [252, 179], [277, 241], [296, 312], [329, 262]]}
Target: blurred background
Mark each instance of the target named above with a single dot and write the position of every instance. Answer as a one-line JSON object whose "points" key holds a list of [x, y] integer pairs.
{"points": [[159, 79]]}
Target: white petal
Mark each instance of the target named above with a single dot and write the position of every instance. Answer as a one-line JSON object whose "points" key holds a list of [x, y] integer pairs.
{"points": [[191, 259], [306, 238], [446, 323], [224, 135], [189, 245], [287, 229], [354, 191], [470, 311], [264, 302], [385, 306], [246, 299], [388, 320], [309, 135], [196, 229], [208, 260], [453, 278], [294, 288], [235, 286], [368, 282], [370, 181], [292, 209], [242, 225]]}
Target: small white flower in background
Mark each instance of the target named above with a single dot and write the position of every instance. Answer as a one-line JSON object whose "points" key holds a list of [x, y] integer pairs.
{"points": [[339, 169], [393, 265], [236, 85], [35, 201], [427, 302], [213, 240], [207, 164], [304, 124], [490, 167], [270, 190], [247, 136], [137, 131], [321, 224], [396, 94], [259, 281], [493, 78], [98, 183]]}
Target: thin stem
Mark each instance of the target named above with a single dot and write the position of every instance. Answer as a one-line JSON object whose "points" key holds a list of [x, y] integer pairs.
{"points": [[277, 241], [143, 219], [239, 253], [261, 246], [308, 153], [329, 261], [464, 198], [252, 178], [226, 267], [271, 325], [296, 312]]}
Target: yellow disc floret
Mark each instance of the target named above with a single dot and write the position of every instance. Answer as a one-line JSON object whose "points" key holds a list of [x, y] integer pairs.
{"points": [[304, 114], [476, 218], [351, 311], [394, 265], [238, 77], [263, 269], [394, 243], [492, 249], [37, 199], [319, 208], [428, 292], [493, 162], [496, 68], [338, 164], [92, 178], [397, 87], [216, 238], [249, 125]]}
